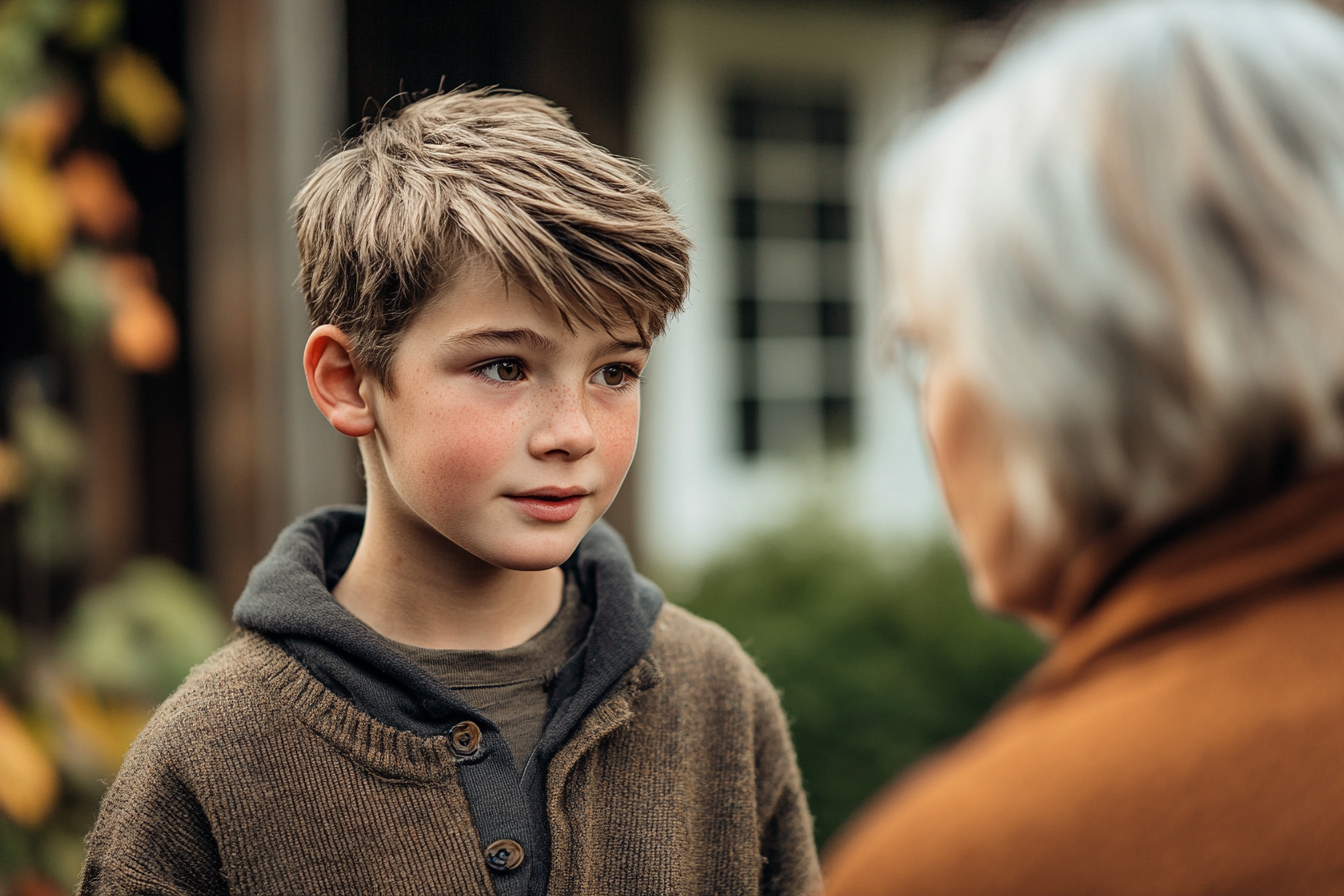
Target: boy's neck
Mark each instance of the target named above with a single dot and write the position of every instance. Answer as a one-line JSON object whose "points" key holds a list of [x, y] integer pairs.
{"points": [[417, 587]]}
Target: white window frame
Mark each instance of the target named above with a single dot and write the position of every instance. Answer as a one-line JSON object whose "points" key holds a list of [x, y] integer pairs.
{"points": [[697, 494]]}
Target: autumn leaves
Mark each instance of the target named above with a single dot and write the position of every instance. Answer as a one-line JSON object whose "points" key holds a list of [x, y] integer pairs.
{"points": [[66, 214]]}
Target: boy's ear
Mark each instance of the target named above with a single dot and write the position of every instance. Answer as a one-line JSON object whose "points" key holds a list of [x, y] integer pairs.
{"points": [[336, 382]]}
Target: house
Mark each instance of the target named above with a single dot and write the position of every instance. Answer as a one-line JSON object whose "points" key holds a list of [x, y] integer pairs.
{"points": [[762, 121]]}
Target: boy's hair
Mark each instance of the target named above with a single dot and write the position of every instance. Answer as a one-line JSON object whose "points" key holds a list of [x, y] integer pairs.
{"points": [[487, 176]]}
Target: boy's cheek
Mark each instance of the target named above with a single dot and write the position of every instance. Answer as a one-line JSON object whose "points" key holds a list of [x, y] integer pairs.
{"points": [[481, 449], [473, 448], [619, 437]]}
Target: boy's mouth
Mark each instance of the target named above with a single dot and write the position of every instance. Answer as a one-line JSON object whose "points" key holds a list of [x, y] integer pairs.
{"points": [[550, 505]]}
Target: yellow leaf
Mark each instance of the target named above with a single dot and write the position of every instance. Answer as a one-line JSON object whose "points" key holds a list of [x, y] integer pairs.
{"points": [[29, 784], [34, 215], [93, 22], [105, 730], [136, 95]]}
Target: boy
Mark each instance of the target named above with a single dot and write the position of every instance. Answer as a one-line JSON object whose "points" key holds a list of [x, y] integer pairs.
{"points": [[465, 687]]}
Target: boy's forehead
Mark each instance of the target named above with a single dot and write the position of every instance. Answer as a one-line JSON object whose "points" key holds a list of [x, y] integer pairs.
{"points": [[486, 312], [482, 299]]}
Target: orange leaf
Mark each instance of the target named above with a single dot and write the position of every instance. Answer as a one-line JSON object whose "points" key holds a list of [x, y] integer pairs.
{"points": [[39, 127], [28, 781], [98, 197], [29, 883], [143, 333], [13, 472], [126, 273]]}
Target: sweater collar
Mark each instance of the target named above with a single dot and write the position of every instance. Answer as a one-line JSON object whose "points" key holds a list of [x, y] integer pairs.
{"points": [[1119, 588], [288, 599]]}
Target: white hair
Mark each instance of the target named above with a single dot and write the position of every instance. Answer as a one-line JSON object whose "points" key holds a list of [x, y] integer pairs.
{"points": [[1130, 235]]}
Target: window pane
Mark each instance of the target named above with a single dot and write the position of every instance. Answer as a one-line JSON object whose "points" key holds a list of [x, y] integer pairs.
{"points": [[788, 270], [791, 427], [792, 318]]}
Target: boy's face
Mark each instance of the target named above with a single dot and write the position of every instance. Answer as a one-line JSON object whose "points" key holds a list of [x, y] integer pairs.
{"points": [[508, 434]]}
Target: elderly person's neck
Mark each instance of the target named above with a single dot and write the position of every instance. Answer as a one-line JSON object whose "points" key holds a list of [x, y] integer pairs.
{"points": [[1051, 580], [1009, 571]]}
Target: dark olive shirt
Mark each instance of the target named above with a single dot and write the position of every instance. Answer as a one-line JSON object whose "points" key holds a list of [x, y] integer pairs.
{"points": [[511, 686]]}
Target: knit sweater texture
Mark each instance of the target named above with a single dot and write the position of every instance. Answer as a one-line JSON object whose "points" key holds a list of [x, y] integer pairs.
{"points": [[276, 768]]}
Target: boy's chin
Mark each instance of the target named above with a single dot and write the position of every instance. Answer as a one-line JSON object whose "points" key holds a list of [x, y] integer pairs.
{"points": [[534, 555]]}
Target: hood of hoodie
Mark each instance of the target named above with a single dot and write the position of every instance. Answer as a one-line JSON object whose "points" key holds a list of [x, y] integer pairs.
{"points": [[288, 599]]}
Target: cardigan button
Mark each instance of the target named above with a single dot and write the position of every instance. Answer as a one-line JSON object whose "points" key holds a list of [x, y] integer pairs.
{"points": [[465, 738], [504, 855]]}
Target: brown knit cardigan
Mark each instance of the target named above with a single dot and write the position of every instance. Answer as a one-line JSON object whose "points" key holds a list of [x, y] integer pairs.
{"points": [[1185, 736], [254, 778]]}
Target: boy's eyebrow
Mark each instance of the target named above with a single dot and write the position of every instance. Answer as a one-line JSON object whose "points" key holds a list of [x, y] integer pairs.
{"points": [[489, 338], [617, 346]]}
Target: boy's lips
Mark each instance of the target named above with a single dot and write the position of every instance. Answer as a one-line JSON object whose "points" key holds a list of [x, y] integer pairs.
{"points": [[550, 505]]}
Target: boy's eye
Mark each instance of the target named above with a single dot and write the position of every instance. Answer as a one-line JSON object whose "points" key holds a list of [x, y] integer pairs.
{"points": [[508, 370], [614, 375]]}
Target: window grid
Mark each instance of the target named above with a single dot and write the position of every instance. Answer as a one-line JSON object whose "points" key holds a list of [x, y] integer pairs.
{"points": [[793, 317]]}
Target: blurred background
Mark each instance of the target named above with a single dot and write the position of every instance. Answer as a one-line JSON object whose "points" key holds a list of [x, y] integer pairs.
{"points": [[156, 432]]}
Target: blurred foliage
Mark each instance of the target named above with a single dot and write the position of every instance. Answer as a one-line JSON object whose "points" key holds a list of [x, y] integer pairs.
{"points": [[71, 701], [136, 95], [46, 458], [879, 656], [66, 215], [70, 707], [69, 224], [142, 633], [28, 782]]}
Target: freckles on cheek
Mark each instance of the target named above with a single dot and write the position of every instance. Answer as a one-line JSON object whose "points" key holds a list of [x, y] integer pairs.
{"points": [[619, 436], [475, 445]]}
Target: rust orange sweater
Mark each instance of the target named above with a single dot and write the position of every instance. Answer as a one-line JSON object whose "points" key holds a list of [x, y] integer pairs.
{"points": [[1184, 736]]}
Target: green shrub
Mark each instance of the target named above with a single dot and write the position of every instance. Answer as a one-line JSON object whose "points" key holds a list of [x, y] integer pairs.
{"points": [[878, 659]]}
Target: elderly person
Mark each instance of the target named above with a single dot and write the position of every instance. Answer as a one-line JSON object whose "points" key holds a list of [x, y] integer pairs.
{"points": [[1123, 253]]}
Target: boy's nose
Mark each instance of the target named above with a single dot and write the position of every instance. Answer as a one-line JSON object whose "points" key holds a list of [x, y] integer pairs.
{"points": [[564, 428]]}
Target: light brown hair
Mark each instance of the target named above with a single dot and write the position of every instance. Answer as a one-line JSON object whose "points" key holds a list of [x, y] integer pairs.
{"points": [[467, 177]]}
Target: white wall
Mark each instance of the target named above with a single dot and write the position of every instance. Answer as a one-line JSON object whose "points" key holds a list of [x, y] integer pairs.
{"points": [[698, 496]]}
